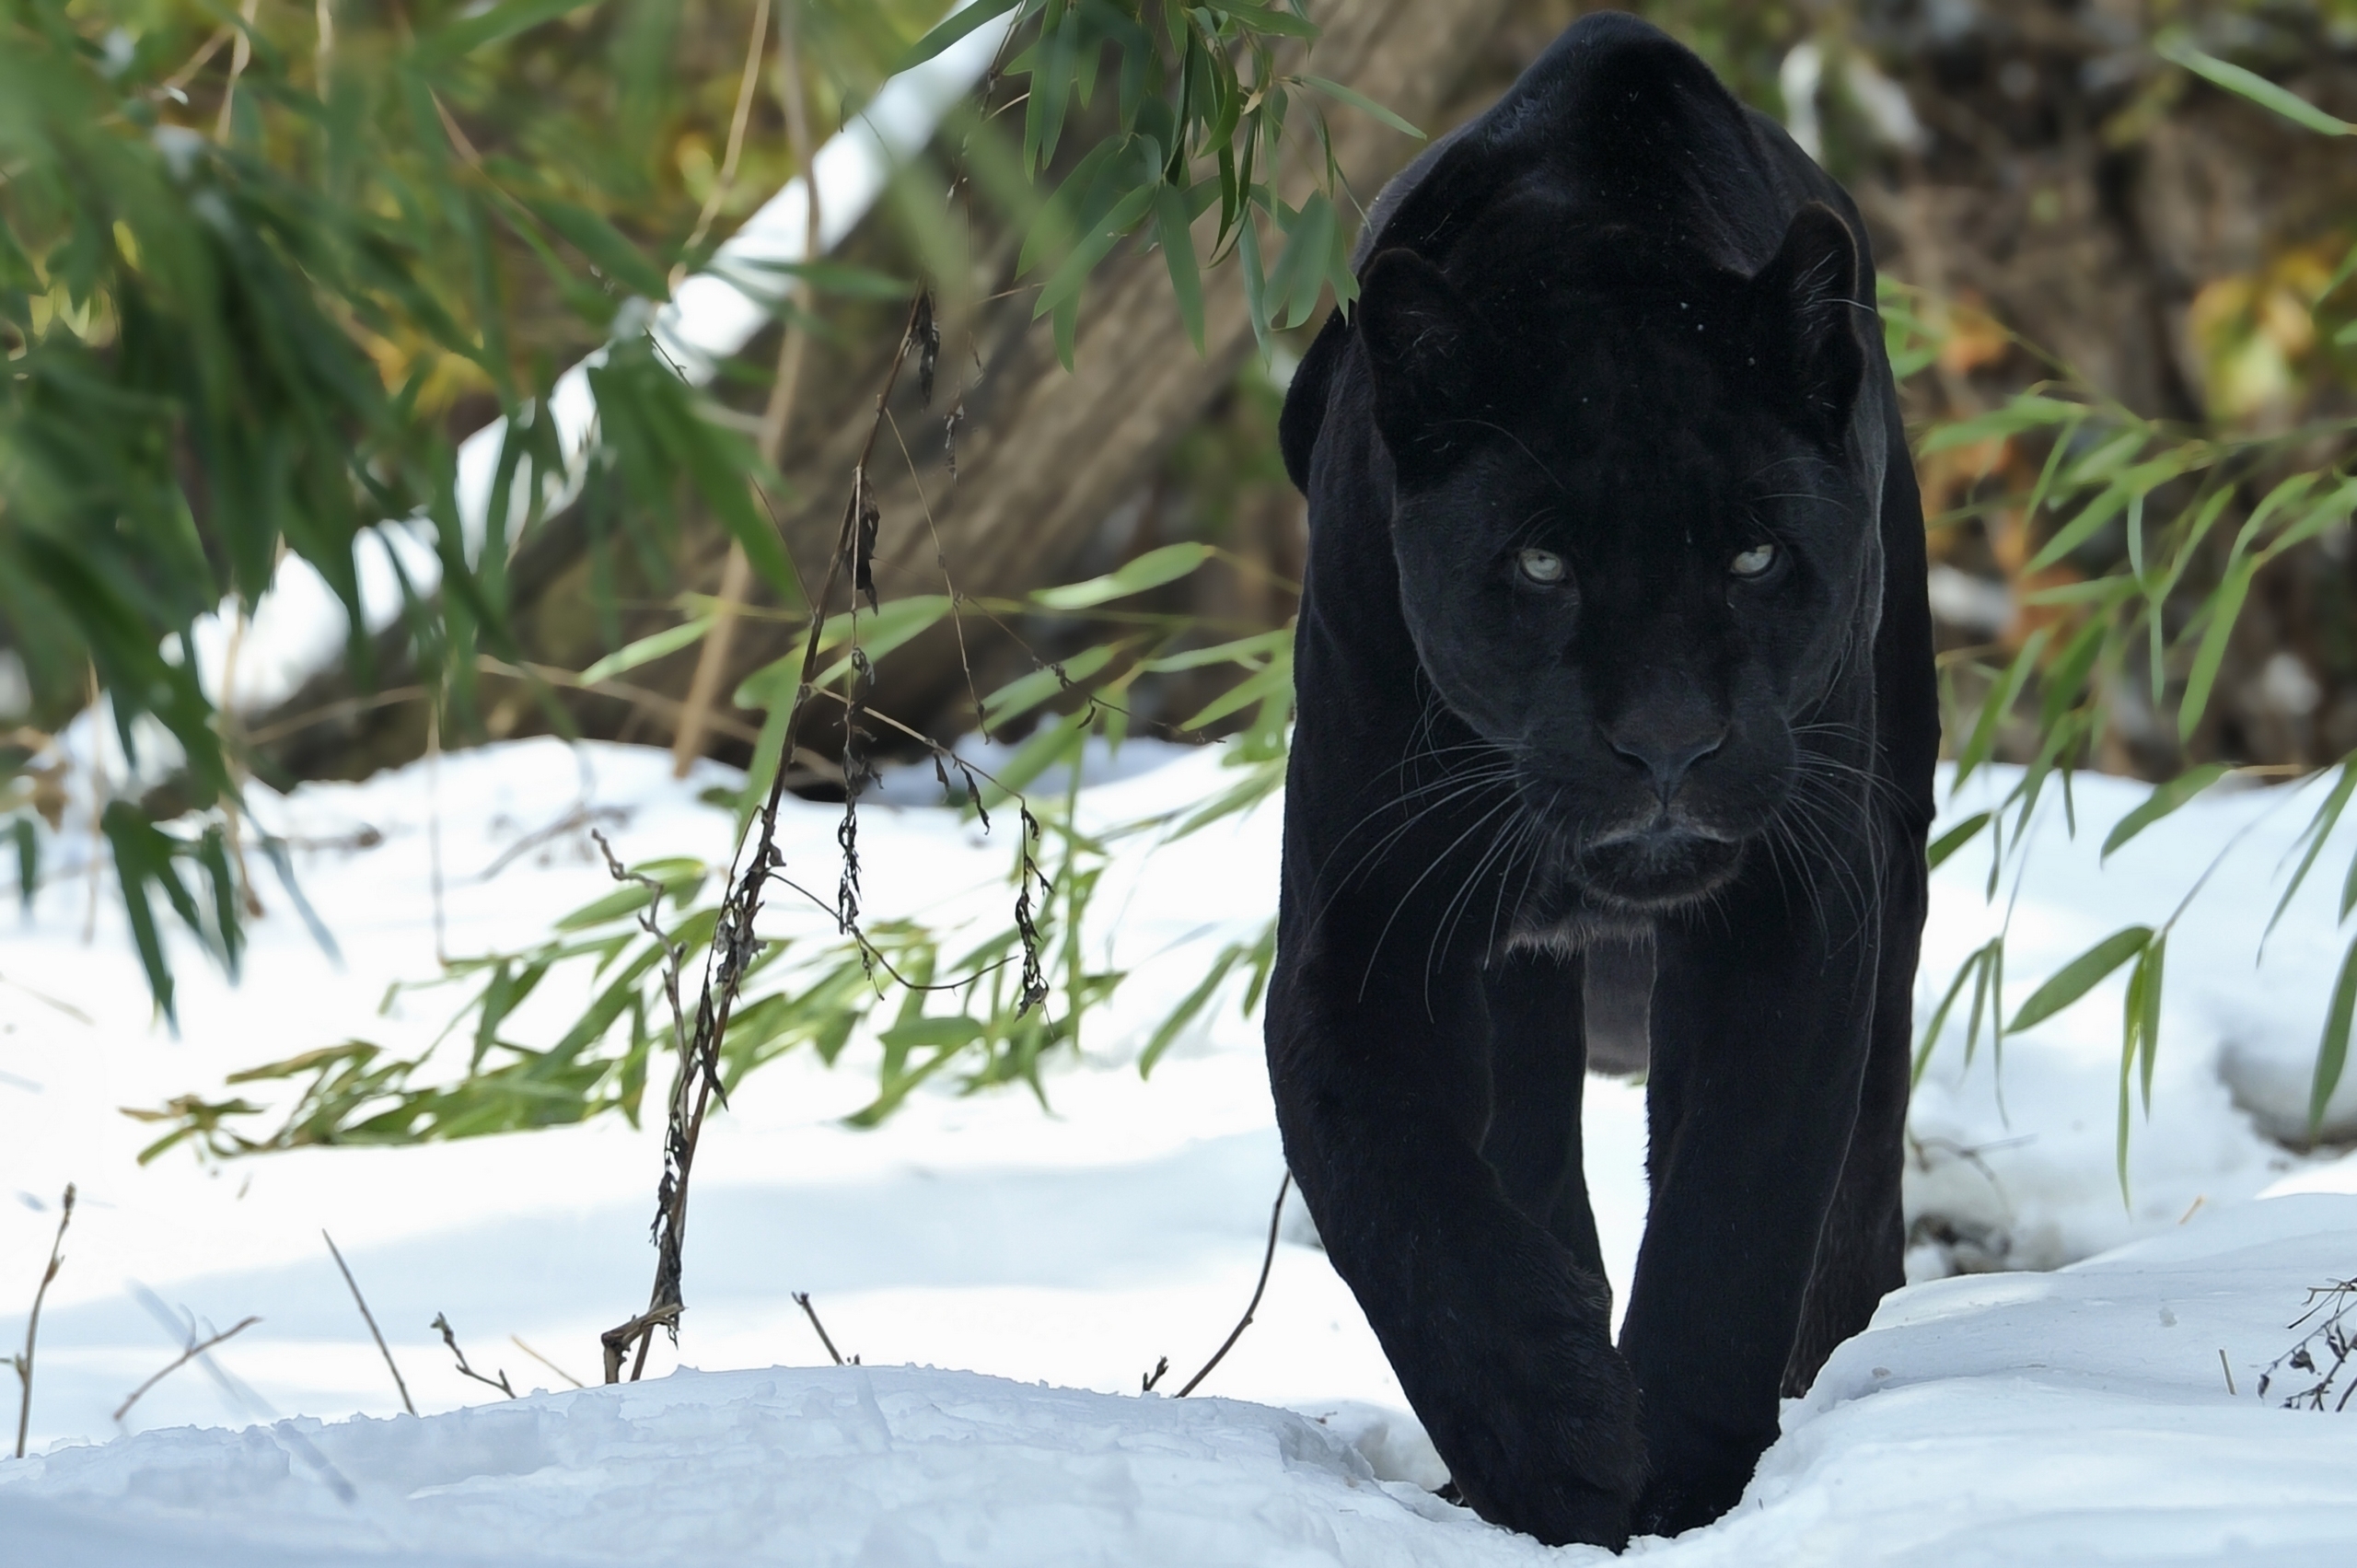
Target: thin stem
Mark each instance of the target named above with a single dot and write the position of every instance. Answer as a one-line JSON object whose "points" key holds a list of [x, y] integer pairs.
{"points": [[1268, 1258], [195, 1349], [370, 1318], [23, 1362]]}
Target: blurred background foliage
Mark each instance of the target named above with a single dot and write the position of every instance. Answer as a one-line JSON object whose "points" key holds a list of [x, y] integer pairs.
{"points": [[2115, 235]]}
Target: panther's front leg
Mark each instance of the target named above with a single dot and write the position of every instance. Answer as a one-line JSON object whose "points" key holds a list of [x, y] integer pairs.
{"points": [[1761, 1016], [1501, 1339]]}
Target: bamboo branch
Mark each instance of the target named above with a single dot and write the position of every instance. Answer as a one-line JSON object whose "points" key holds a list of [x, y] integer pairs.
{"points": [[736, 572], [24, 1360], [734, 944], [1276, 1213], [370, 1318], [195, 1348]]}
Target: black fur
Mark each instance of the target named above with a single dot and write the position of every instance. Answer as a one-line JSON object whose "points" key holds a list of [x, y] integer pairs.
{"points": [[1623, 323]]}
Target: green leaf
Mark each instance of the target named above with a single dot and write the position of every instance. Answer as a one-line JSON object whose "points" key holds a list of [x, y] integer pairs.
{"points": [[2023, 410], [1252, 653], [1974, 969], [1151, 570], [1064, 285], [1189, 1008], [1360, 102], [1172, 227], [2164, 798], [2332, 1050], [2082, 528], [2148, 1005], [504, 19], [1999, 702], [138, 863], [1058, 741], [1277, 677], [1301, 270], [2079, 976], [954, 1032], [841, 278], [1954, 839], [2173, 45], [28, 860], [605, 247], [647, 649], [1266, 18], [894, 624], [2318, 830], [1027, 692], [950, 28], [2226, 609]]}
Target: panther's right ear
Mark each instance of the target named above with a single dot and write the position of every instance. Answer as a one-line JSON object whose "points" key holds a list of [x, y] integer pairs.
{"points": [[1422, 342], [1304, 410]]}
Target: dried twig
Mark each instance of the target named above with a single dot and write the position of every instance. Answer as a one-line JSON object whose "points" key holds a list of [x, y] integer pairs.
{"points": [[802, 1299], [737, 573], [23, 1361], [517, 1340], [618, 1340], [733, 943], [451, 1338], [1276, 1213], [2330, 1308], [370, 1318], [1147, 1383], [196, 1347]]}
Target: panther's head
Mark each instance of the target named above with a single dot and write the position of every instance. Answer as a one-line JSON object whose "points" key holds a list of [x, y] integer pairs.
{"points": [[1635, 528]]}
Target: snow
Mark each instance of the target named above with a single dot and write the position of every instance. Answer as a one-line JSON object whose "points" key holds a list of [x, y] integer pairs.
{"points": [[1030, 1267], [851, 1465]]}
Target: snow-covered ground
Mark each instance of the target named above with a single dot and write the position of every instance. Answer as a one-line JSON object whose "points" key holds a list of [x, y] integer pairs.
{"points": [[1050, 1259]]}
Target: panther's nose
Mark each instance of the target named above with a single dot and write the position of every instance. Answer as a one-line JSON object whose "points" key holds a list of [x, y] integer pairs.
{"points": [[1670, 728]]}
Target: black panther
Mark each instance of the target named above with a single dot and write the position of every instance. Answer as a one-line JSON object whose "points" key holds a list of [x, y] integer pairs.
{"points": [[1614, 627]]}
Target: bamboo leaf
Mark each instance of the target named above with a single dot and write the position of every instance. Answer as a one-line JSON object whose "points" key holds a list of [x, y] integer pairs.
{"points": [[1954, 839], [1276, 679], [1251, 652], [1360, 102], [647, 649], [952, 27], [1999, 702], [137, 866], [1026, 692], [2226, 609], [27, 861], [2332, 1050], [2080, 976], [493, 23], [605, 247], [2164, 798], [1972, 966], [1151, 570], [2319, 829], [1189, 1008], [1171, 224], [2174, 46]]}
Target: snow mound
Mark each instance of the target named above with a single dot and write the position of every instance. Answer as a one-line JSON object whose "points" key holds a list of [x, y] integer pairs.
{"points": [[2079, 1417], [868, 1465], [2109, 1413]]}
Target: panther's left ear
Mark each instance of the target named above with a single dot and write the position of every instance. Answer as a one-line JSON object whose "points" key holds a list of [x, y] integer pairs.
{"points": [[1425, 349], [1305, 412], [1806, 304]]}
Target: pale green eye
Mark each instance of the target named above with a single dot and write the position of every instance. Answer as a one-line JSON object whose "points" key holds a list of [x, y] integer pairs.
{"points": [[1753, 562], [1541, 566]]}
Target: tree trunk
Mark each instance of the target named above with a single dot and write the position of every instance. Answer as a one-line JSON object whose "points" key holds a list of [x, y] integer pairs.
{"points": [[1043, 455]]}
